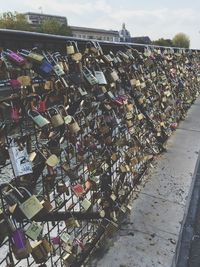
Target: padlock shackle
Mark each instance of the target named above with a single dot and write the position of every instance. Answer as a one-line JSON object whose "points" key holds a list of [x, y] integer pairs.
{"points": [[52, 108], [63, 108], [12, 187], [25, 190]]}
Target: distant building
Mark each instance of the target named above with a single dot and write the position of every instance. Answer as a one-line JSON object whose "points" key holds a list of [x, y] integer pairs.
{"points": [[124, 34], [35, 19], [141, 40], [97, 34]]}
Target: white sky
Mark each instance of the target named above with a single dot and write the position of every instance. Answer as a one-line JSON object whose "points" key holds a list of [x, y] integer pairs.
{"points": [[154, 18]]}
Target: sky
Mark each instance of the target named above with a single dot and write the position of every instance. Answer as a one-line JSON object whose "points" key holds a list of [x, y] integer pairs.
{"points": [[153, 18]]}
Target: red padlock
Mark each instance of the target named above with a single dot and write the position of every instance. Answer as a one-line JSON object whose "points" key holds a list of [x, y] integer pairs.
{"points": [[42, 106]]}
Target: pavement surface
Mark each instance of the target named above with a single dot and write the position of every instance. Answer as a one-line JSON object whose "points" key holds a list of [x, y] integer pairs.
{"points": [[149, 235]]}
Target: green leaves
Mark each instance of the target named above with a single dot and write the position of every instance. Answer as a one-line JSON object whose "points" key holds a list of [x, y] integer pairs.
{"points": [[18, 21], [15, 21], [52, 26], [181, 40]]}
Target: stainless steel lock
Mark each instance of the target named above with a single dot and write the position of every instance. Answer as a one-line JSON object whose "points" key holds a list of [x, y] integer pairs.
{"points": [[100, 77], [89, 76]]}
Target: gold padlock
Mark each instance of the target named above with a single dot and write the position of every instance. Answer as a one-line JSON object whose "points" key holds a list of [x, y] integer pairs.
{"points": [[74, 128], [55, 117]]}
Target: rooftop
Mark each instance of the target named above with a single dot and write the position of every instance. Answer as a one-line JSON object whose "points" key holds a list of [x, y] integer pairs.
{"points": [[93, 30]]}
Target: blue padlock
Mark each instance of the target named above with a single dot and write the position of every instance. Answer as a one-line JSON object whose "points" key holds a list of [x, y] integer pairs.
{"points": [[44, 69]]}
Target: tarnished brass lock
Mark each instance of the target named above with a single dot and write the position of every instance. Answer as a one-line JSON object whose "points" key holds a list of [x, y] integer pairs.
{"points": [[71, 223], [73, 126], [113, 75], [76, 56], [67, 118], [70, 48], [68, 259], [40, 251], [55, 117], [24, 80], [62, 188], [32, 56]]}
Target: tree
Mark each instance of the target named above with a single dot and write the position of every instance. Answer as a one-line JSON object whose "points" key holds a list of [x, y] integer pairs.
{"points": [[181, 40], [15, 21], [52, 26], [163, 42]]}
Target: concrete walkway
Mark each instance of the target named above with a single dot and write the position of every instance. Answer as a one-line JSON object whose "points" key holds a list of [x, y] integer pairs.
{"points": [[149, 235]]}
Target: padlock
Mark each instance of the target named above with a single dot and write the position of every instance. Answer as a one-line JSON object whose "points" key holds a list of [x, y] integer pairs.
{"points": [[68, 259], [24, 80], [86, 204], [31, 206], [61, 188], [12, 195], [52, 60], [124, 56], [51, 160], [72, 223], [67, 118], [39, 120], [14, 57], [34, 230], [42, 105], [20, 245], [100, 77], [32, 56], [44, 69], [77, 56], [40, 251], [19, 159], [113, 75], [82, 91], [55, 117], [65, 237], [93, 47], [73, 126], [15, 84], [70, 48], [78, 190], [92, 80]]}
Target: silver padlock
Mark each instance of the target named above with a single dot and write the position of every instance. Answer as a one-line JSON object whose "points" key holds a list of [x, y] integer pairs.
{"points": [[89, 76], [39, 120], [100, 77]]}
